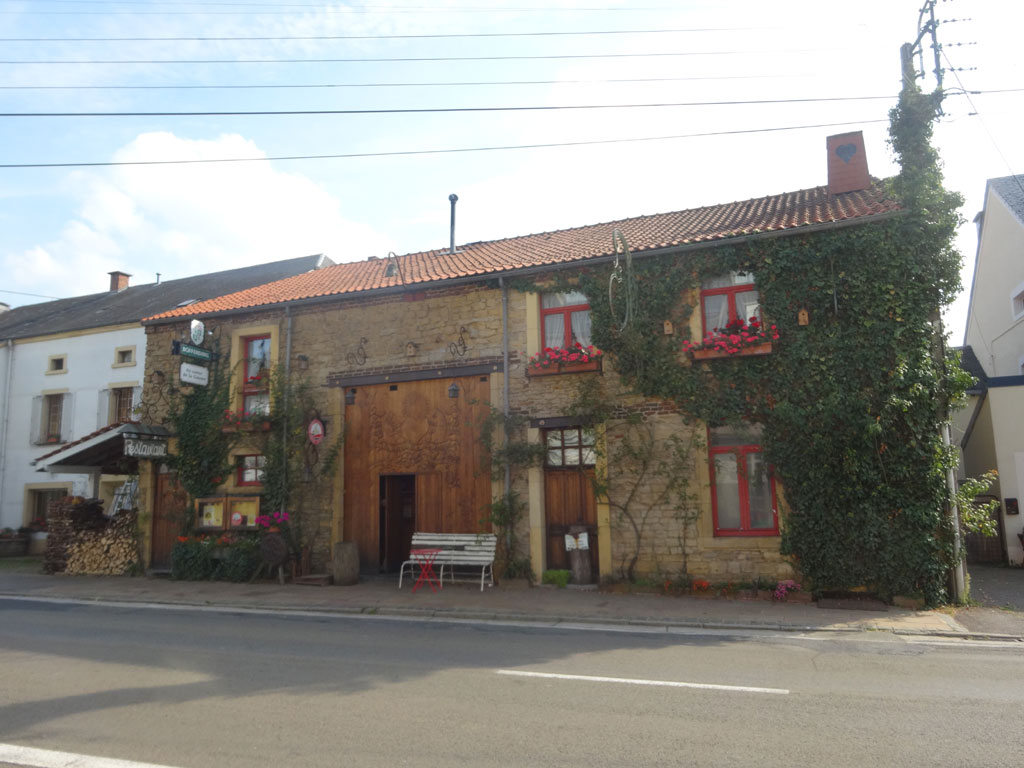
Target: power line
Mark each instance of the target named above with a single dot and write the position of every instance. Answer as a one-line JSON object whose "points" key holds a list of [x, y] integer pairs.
{"points": [[440, 110], [389, 85], [374, 37], [23, 293], [333, 10], [420, 58], [436, 151]]}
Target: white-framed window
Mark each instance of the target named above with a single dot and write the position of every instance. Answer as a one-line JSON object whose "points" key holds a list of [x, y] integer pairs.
{"points": [[52, 417]]}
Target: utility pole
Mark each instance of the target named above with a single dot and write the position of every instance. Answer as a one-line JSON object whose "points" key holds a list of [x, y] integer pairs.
{"points": [[928, 26]]}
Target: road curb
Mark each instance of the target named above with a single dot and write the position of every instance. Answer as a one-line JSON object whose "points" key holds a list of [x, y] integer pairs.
{"points": [[523, 618]]}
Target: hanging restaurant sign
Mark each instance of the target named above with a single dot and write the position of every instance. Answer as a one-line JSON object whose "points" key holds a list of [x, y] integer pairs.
{"points": [[194, 374], [198, 353], [197, 331], [145, 449]]}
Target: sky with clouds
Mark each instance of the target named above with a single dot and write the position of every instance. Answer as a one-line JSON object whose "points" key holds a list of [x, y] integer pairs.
{"points": [[825, 67]]}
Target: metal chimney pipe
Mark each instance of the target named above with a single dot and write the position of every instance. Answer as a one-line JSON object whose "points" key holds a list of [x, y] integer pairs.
{"points": [[453, 199]]}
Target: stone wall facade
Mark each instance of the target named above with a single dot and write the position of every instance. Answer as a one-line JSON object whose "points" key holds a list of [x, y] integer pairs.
{"points": [[343, 343]]}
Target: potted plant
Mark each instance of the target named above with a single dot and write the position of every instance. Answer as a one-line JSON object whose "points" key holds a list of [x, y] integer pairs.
{"points": [[572, 359], [739, 337]]}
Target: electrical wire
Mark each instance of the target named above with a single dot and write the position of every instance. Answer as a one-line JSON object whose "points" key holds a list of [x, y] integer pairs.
{"points": [[995, 144], [441, 110], [374, 37], [390, 85], [541, 57], [436, 151]]}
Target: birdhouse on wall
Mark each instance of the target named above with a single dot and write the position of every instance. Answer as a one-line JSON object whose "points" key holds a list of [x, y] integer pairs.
{"points": [[667, 328], [803, 317]]}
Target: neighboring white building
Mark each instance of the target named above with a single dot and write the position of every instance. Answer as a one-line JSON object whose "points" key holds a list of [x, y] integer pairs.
{"points": [[993, 424], [74, 366]]}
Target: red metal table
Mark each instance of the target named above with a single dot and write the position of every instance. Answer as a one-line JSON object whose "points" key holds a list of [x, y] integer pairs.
{"points": [[425, 560]]}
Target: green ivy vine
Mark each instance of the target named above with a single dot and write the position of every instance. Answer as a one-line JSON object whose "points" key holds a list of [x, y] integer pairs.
{"points": [[852, 403], [196, 414]]}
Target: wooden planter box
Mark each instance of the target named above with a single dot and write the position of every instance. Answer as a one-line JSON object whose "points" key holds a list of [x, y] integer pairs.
{"points": [[554, 370], [764, 348], [13, 547], [246, 426]]}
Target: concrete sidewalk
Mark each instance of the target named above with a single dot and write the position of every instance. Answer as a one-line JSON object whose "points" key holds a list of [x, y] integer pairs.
{"points": [[513, 602]]}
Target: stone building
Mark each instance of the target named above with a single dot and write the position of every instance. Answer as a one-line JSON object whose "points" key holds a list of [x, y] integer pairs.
{"points": [[412, 356]]}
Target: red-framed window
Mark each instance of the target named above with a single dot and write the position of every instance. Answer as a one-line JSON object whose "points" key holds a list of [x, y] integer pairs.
{"points": [[250, 469], [727, 298], [256, 381], [564, 320], [742, 486]]}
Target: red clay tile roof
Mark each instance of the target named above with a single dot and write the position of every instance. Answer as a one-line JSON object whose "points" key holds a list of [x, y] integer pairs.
{"points": [[791, 210]]}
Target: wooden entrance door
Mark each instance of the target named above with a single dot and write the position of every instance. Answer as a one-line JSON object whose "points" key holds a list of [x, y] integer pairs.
{"points": [[569, 493], [169, 509], [415, 429]]}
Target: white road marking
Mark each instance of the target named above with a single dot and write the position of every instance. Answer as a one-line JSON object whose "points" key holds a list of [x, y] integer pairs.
{"points": [[48, 758], [632, 681]]}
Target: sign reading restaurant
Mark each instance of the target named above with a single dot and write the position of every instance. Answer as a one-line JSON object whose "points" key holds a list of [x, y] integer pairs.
{"points": [[145, 449]]}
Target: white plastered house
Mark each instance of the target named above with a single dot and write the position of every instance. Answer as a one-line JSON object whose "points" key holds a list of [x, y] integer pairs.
{"points": [[71, 374], [992, 426]]}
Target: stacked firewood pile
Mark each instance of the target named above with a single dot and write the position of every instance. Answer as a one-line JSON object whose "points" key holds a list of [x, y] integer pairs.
{"points": [[83, 540]]}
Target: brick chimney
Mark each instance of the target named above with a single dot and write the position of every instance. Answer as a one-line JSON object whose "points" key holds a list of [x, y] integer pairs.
{"points": [[847, 163], [118, 281]]}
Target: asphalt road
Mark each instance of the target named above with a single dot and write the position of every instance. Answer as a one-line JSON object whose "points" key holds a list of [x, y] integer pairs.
{"points": [[196, 689]]}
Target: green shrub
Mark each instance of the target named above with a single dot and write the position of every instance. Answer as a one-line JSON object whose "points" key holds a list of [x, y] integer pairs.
{"points": [[191, 560], [239, 562], [556, 577]]}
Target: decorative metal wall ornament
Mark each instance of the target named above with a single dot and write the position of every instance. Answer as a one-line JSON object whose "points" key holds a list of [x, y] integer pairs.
{"points": [[621, 282], [359, 356], [458, 347]]}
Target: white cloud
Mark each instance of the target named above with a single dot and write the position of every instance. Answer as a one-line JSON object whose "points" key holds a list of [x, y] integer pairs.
{"points": [[186, 220]]}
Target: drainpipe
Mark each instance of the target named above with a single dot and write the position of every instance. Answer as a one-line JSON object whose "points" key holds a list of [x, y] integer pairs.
{"points": [[286, 384], [959, 582], [4, 413], [504, 395]]}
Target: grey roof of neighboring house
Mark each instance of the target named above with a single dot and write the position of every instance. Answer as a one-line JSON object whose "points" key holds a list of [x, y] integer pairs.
{"points": [[138, 301], [1011, 189], [970, 363]]}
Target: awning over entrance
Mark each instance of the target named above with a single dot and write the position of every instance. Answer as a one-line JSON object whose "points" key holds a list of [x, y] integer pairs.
{"points": [[107, 449]]}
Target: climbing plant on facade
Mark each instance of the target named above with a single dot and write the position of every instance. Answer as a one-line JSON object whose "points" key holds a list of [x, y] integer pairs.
{"points": [[851, 403], [196, 414]]}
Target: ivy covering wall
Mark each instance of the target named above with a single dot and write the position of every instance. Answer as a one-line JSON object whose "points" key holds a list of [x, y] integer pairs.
{"points": [[852, 402]]}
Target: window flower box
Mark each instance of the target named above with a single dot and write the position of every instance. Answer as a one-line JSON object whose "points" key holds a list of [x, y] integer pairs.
{"points": [[764, 348], [553, 370], [551, 361], [737, 339], [13, 547]]}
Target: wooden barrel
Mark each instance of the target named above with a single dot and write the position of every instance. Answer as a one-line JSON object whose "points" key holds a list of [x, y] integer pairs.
{"points": [[346, 563]]}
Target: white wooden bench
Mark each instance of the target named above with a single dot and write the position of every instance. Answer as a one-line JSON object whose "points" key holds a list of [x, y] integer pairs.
{"points": [[466, 550]]}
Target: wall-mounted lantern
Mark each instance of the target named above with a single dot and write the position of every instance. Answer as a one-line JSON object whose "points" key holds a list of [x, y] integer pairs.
{"points": [[453, 390], [303, 362], [350, 397]]}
